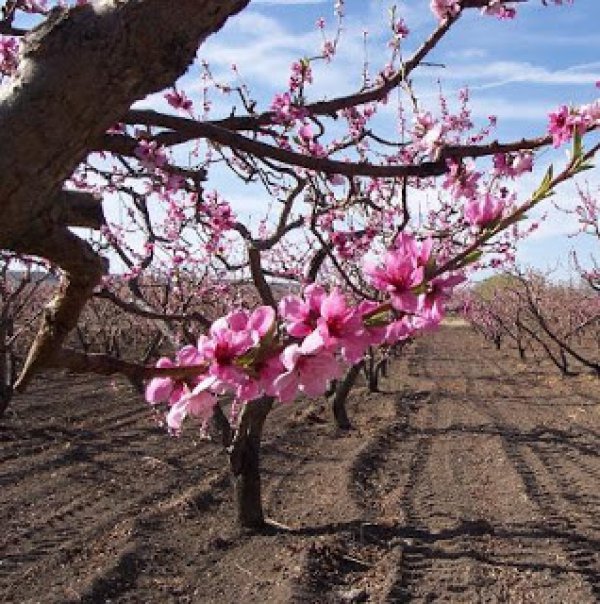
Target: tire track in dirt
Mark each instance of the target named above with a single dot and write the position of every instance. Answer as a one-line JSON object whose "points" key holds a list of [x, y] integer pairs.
{"points": [[354, 558], [76, 511], [463, 541], [98, 535], [434, 510], [554, 483], [421, 502]]}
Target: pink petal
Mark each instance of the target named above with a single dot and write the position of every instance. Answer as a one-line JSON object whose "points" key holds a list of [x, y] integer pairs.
{"points": [[262, 319], [286, 386], [312, 343], [158, 390], [290, 355], [176, 415]]}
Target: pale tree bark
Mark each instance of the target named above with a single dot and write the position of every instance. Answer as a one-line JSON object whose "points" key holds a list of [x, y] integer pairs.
{"points": [[80, 72]]}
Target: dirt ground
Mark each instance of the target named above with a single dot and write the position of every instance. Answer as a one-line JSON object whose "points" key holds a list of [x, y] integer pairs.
{"points": [[471, 478]]}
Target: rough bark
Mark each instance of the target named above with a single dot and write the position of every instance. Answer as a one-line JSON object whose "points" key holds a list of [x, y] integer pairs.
{"points": [[343, 389], [6, 366], [80, 72], [245, 463]]}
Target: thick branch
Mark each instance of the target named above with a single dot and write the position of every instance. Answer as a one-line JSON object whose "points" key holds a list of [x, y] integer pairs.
{"points": [[184, 129], [78, 209], [80, 71]]}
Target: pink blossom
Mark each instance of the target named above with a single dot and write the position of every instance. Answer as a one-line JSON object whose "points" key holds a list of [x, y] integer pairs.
{"points": [[300, 314], [328, 50], [374, 330], [397, 331], [150, 154], [307, 138], [484, 211], [305, 133], [513, 164], [438, 293], [402, 271], [301, 74], [222, 348], [9, 50], [559, 126], [499, 9], [199, 402], [308, 371], [443, 9], [267, 371], [340, 328], [284, 111], [179, 100], [428, 132], [166, 389], [408, 245], [401, 29], [461, 179], [592, 111]]}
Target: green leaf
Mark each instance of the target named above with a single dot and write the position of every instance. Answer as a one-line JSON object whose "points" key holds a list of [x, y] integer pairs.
{"points": [[577, 146], [378, 320], [543, 190], [419, 289], [471, 258], [583, 166]]}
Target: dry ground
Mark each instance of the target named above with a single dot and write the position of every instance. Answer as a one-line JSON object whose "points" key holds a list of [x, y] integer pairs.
{"points": [[472, 478]]}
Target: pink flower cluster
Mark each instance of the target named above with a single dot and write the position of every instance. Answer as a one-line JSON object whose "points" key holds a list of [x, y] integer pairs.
{"points": [[428, 133], [461, 179], [9, 50], [150, 155], [218, 215], [498, 8], [350, 244], [565, 121], [284, 111], [301, 75], [302, 346], [309, 142], [443, 9], [484, 211], [179, 100], [513, 164]]}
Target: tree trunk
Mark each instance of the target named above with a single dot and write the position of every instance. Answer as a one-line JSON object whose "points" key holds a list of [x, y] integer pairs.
{"points": [[384, 366], [373, 379], [245, 463], [343, 389], [6, 367], [79, 72]]}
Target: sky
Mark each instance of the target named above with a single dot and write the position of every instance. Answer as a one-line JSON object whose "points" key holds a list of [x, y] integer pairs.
{"points": [[517, 70]]}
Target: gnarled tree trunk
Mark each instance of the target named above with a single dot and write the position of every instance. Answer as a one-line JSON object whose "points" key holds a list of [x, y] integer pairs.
{"points": [[245, 463], [79, 73]]}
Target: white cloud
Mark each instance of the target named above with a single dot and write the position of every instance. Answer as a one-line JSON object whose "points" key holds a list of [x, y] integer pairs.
{"points": [[502, 73]]}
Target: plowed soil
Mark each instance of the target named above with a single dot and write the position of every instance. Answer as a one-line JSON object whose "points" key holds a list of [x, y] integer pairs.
{"points": [[471, 478]]}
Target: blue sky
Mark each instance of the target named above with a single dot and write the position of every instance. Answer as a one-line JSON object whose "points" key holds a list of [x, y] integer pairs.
{"points": [[517, 70]]}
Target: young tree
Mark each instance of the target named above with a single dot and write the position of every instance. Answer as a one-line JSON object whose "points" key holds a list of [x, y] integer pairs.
{"points": [[339, 189]]}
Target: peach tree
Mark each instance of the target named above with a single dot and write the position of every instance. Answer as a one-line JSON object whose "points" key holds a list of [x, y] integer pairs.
{"points": [[343, 258]]}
